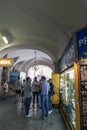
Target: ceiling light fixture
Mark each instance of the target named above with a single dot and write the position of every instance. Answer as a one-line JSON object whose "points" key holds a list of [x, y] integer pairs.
{"points": [[5, 39], [35, 64], [6, 36]]}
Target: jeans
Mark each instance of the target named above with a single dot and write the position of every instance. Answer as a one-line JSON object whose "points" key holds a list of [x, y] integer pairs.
{"points": [[44, 105], [50, 102], [27, 104], [35, 95]]}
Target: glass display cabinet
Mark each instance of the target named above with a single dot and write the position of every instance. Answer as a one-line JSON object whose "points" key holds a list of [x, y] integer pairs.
{"points": [[83, 95], [67, 97]]}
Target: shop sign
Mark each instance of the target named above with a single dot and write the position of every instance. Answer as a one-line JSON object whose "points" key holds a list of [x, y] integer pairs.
{"points": [[6, 62], [68, 55], [81, 39]]}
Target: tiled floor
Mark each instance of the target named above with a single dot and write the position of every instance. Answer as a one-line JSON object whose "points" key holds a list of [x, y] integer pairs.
{"points": [[12, 118]]}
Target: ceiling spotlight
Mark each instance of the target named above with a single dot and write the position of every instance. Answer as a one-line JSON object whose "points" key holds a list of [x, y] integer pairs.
{"points": [[6, 36], [5, 39]]}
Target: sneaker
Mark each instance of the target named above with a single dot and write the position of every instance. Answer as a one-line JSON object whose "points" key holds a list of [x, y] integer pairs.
{"points": [[28, 116], [33, 105], [49, 112]]}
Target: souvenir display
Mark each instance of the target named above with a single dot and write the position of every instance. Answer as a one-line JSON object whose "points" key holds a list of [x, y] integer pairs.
{"points": [[67, 91], [83, 96]]}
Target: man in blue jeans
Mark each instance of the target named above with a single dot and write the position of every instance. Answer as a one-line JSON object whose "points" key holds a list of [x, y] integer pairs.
{"points": [[51, 92], [44, 97]]}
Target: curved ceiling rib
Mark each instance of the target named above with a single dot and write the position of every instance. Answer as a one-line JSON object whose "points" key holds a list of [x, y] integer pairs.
{"points": [[27, 58], [31, 46], [40, 26], [41, 61]]}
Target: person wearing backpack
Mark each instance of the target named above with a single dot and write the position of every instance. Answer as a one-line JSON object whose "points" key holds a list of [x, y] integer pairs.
{"points": [[50, 94]]}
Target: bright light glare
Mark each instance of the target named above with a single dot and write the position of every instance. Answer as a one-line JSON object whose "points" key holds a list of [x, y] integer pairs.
{"points": [[5, 39]]}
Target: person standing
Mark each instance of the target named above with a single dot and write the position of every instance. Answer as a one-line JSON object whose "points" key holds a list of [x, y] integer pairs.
{"points": [[18, 89], [44, 97], [5, 89], [35, 89], [51, 92], [22, 90], [27, 96]]}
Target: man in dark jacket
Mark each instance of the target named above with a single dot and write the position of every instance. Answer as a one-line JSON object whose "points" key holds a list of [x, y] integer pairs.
{"points": [[51, 92]]}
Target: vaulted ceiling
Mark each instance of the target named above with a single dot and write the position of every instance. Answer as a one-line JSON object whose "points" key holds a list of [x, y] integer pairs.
{"points": [[45, 26]]}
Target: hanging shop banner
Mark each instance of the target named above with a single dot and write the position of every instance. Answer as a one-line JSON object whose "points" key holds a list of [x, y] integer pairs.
{"points": [[6, 62], [68, 55], [81, 39]]}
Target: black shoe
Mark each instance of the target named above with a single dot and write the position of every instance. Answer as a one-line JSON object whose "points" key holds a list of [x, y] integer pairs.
{"points": [[46, 116], [33, 106], [42, 118]]}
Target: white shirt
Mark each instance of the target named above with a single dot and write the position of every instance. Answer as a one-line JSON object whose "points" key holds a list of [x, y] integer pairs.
{"points": [[6, 87]]}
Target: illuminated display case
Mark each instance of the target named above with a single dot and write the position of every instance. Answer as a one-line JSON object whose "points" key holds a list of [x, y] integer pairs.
{"points": [[81, 41], [83, 95], [67, 91], [73, 81]]}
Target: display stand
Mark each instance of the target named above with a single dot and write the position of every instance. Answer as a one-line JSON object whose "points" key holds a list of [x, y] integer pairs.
{"points": [[69, 88], [81, 41], [73, 91], [83, 96]]}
